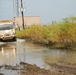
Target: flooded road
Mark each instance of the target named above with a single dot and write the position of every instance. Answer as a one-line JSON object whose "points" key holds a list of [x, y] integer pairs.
{"points": [[12, 53]]}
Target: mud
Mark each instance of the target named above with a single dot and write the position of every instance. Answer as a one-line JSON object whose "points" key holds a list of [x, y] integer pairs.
{"points": [[66, 68], [1, 74], [56, 69]]}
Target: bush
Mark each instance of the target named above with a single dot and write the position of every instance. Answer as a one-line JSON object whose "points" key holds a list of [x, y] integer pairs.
{"points": [[57, 33]]}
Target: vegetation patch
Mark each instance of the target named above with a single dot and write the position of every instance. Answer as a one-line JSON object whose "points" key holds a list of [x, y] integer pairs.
{"points": [[56, 35]]}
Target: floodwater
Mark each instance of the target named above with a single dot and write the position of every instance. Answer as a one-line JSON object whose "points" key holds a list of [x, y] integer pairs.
{"points": [[12, 53]]}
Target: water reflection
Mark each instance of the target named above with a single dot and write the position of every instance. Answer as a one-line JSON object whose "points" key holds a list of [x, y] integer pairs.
{"points": [[2, 51], [7, 55], [14, 53], [55, 56]]}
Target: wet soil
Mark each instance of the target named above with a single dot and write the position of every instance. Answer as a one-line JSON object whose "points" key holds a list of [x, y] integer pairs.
{"points": [[1, 74], [56, 69]]}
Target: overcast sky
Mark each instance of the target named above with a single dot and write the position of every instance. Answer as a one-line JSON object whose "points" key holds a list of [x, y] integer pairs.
{"points": [[48, 10]]}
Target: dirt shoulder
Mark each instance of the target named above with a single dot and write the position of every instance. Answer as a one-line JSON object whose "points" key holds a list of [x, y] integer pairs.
{"points": [[64, 68], [56, 69]]}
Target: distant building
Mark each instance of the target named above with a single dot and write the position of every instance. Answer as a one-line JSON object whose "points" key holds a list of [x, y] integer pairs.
{"points": [[28, 21]]}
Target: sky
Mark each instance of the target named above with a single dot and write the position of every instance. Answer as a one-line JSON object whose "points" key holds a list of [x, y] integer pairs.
{"points": [[48, 10]]}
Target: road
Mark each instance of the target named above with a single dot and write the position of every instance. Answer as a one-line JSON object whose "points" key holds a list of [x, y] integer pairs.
{"points": [[18, 58]]}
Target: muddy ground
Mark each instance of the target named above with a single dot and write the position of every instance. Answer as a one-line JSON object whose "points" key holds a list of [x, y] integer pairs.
{"points": [[56, 69]]}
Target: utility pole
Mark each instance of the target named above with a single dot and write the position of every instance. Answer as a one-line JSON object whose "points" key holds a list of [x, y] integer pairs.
{"points": [[22, 14], [17, 7], [1, 7], [14, 11], [14, 6]]}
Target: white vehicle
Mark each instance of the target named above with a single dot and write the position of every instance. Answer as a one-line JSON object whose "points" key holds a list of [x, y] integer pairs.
{"points": [[7, 31]]}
